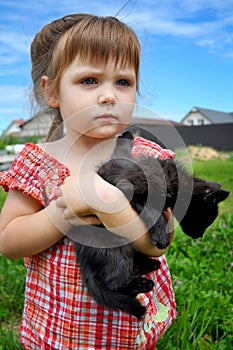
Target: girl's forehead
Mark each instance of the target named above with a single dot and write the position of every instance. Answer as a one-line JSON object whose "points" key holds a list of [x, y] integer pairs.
{"points": [[100, 64]]}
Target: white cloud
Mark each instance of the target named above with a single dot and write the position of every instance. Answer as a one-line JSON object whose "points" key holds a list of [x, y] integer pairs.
{"points": [[12, 93], [14, 47], [207, 23], [14, 104], [173, 27], [14, 99], [13, 41], [203, 21]]}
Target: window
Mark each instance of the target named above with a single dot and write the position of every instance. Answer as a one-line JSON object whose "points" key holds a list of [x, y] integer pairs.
{"points": [[200, 121], [190, 122]]}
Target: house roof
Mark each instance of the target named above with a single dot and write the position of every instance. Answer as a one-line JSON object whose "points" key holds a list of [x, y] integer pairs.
{"points": [[216, 117], [17, 122], [14, 123], [151, 121]]}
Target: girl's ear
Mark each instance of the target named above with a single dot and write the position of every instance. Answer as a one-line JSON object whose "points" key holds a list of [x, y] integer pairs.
{"points": [[50, 99]]}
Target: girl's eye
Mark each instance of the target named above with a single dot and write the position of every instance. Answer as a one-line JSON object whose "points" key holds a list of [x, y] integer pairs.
{"points": [[123, 82], [89, 81]]}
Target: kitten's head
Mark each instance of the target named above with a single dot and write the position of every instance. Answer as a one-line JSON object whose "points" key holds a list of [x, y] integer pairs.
{"points": [[203, 208]]}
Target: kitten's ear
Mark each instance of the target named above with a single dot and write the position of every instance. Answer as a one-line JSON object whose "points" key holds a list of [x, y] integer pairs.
{"points": [[127, 188], [127, 135], [216, 196], [124, 145], [215, 185]]}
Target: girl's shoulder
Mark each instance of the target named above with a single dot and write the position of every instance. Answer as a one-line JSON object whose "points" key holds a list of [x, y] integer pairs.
{"points": [[33, 155], [149, 148], [32, 169]]}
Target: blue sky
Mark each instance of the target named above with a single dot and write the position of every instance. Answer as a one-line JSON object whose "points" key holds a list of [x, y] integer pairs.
{"points": [[187, 51]]}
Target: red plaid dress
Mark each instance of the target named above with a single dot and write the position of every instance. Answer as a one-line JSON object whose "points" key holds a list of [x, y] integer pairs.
{"points": [[58, 312]]}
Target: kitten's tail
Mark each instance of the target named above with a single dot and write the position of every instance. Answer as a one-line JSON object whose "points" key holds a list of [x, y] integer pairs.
{"points": [[114, 300]]}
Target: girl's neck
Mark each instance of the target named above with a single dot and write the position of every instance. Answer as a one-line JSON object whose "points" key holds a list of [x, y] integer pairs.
{"points": [[80, 152], [83, 144]]}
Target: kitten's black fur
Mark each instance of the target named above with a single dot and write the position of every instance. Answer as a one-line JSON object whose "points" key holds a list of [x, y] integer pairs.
{"points": [[114, 276]]}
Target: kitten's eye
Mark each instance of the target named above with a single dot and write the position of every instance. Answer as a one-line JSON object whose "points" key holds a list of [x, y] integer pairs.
{"points": [[89, 81], [123, 82]]}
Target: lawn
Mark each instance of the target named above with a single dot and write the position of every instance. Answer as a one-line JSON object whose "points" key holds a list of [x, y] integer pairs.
{"points": [[202, 275]]}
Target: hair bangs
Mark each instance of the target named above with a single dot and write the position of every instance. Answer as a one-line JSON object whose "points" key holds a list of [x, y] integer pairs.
{"points": [[99, 40]]}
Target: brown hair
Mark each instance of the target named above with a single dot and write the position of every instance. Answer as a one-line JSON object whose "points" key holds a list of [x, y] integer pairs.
{"points": [[94, 38]]}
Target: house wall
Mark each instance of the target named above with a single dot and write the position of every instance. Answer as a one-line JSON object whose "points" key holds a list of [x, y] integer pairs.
{"points": [[38, 126], [195, 118], [13, 130]]}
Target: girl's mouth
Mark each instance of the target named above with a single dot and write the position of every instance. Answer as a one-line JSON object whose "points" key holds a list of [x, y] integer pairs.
{"points": [[107, 118]]}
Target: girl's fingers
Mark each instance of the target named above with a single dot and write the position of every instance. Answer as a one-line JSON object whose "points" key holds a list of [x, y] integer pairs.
{"points": [[68, 214], [80, 220], [91, 220], [61, 203]]}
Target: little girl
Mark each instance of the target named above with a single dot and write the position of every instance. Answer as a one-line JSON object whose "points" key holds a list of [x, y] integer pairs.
{"points": [[85, 70]]}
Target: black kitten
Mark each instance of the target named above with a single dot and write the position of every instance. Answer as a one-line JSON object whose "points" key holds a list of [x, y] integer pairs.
{"points": [[113, 273]]}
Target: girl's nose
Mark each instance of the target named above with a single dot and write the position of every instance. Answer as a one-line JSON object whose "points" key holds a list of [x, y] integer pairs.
{"points": [[107, 97]]}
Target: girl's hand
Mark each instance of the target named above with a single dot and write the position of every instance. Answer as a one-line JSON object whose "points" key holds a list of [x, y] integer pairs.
{"points": [[85, 195], [88, 199]]}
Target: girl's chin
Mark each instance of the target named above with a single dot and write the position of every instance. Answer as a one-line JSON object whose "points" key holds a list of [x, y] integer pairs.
{"points": [[106, 130]]}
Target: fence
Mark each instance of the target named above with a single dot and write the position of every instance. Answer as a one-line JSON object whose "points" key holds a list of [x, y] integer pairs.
{"points": [[218, 136]]}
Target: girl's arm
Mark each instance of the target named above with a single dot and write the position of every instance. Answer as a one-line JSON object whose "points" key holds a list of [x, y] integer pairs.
{"points": [[89, 193], [134, 229], [26, 229]]}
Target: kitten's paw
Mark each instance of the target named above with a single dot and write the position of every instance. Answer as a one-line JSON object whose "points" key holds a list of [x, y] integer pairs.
{"points": [[139, 310], [159, 235], [160, 239], [152, 265], [141, 285]]}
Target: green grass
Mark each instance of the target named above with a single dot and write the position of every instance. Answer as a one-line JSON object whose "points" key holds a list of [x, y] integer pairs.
{"points": [[12, 280], [202, 275]]}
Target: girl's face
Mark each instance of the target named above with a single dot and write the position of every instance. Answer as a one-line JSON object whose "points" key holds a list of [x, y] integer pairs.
{"points": [[96, 100]]}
